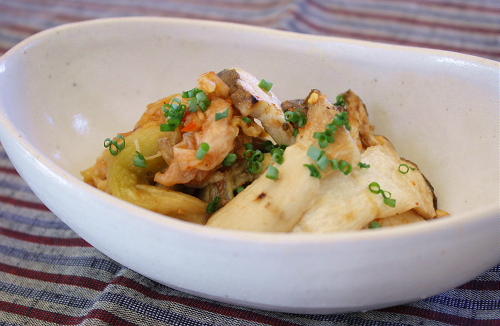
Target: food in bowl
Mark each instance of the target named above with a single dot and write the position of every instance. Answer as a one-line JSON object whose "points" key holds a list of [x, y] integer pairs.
{"points": [[230, 154]]}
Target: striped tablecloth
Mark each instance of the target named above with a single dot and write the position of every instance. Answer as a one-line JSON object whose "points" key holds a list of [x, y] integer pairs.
{"points": [[48, 275]]}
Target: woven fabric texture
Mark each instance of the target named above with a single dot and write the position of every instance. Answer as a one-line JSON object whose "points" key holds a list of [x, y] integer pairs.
{"points": [[49, 276]]}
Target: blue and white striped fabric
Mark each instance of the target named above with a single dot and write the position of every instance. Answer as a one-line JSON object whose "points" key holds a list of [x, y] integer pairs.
{"points": [[48, 275]]}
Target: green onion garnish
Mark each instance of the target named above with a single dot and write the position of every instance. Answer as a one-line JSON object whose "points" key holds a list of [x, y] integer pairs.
{"points": [[254, 167], [174, 113], [374, 225], [291, 116], [254, 160], [295, 132], [302, 120], [340, 100], [246, 120], [202, 151], [221, 115], [265, 85], [248, 146], [314, 172], [213, 206], [239, 189], [363, 165], [405, 168], [272, 173], [322, 139], [390, 202], [323, 162], [299, 119], [168, 127], [335, 164], [258, 156], [315, 153], [345, 167], [139, 160], [115, 145], [277, 155], [374, 187], [198, 99], [107, 142], [230, 159]]}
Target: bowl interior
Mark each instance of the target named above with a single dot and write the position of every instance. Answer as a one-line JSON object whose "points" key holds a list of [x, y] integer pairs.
{"points": [[68, 89]]}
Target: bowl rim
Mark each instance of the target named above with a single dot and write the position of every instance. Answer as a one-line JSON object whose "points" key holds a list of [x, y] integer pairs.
{"points": [[62, 176]]}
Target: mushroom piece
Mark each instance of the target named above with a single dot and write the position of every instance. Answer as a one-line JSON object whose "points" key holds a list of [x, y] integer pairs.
{"points": [[277, 205], [346, 203], [251, 100]]}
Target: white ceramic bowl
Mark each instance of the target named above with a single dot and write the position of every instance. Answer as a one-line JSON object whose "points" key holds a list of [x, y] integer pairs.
{"points": [[64, 90]]}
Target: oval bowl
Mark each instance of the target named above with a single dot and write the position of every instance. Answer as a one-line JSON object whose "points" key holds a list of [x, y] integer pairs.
{"points": [[64, 90]]}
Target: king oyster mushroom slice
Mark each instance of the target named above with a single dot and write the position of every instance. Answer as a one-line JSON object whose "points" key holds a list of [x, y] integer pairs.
{"points": [[252, 101], [346, 203], [277, 205]]}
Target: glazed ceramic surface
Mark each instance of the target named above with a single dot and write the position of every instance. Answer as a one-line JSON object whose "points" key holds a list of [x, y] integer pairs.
{"points": [[66, 89]]}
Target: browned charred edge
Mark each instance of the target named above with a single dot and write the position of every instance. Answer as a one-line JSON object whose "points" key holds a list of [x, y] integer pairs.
{"points": [[261, 196], [434, 198]]}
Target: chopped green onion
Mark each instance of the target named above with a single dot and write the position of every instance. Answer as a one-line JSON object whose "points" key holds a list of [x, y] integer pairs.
{"points": [[291, 116], [230, 159], [298, 118], [198, 99], [363, 165], [323, 162], [246, 120], [322, 139], [390, 202], [340, 100], [314, 172], [404, 168], [265, 85], [201, 96], [272, 173], [295, 132], [115, 145], [254, 167], [175, 113], [386, 194], [258, 156], [277, 155], [342, 119], [315, 153], [193, 106], [221, 115], [374, 225], [345, 167], [202, 151], [168, 127], [248, 153], [239, 189], [302, 120], [374, 187], [335, 164], [139, 160], [107, 142], [213, 206], [249, 146], [190, 93]]}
